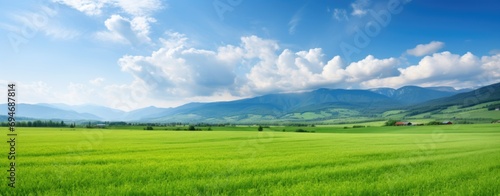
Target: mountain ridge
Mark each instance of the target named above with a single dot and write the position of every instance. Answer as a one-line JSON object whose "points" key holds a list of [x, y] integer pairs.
{"points": [[331, 102]]}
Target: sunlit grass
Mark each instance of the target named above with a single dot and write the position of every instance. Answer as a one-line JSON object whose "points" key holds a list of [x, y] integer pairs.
{"points": [[376, 160]]}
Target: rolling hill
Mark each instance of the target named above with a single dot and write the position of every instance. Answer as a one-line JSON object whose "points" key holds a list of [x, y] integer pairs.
{"points": [[318, 105], [482, 95], [414, 94], [45, 112]]}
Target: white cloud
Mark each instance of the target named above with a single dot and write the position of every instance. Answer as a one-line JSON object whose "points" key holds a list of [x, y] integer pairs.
{"points": [[96, 81], [177, 70], [176, 74], [491, 66], [294, 22], [132, 25], [124, 30], [370, 67], [256, 66], [425, 49], [138, 8], [441, 69], [359, 7], [89, 7], [131, 7], [35, 92]]}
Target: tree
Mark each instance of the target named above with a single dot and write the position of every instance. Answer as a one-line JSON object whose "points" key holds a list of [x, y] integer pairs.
{"points": [[191, 128], [390, 122], [260, 128]]}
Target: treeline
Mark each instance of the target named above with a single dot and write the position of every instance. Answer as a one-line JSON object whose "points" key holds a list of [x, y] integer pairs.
{"points": [[172, 124], [39, 123]]}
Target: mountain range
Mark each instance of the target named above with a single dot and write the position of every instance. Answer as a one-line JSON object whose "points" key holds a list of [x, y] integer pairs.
{"points": [[318, 104]]}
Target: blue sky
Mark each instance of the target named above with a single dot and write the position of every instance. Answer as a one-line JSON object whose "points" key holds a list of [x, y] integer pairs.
{"points": [[130, 54]]}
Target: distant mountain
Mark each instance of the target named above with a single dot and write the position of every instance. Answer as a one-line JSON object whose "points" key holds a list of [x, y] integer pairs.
{"points": [[144, 113], [414, 94], [102, 112], [45, 112], [279, 105], [319, 104], [450, 89], [478, 96], [4, 118]]}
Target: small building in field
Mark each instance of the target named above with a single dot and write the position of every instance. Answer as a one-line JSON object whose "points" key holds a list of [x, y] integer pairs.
{"points": [[100, 125], [403, 124], [446, 123]]}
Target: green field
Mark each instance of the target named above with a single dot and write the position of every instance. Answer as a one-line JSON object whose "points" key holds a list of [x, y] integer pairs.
{"points": [[428, 160]]}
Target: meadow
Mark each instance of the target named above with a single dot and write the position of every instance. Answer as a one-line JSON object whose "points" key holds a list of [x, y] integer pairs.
{"points": [[427, 160]]}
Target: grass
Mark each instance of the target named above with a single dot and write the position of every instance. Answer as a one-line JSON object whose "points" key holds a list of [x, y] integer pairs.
{"points": [[428, 160], [475, 114]]}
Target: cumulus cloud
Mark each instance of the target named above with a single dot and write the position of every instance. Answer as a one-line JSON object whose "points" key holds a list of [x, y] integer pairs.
{"points": [[491, 66], [176, 69], [370, 67], [131, 26], [256, 66], [425, 49], [444, 68], [177, 73], [259, 66]]}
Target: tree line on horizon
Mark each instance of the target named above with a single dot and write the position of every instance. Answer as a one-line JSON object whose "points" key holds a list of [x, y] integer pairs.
{"points": [[39, 123]]}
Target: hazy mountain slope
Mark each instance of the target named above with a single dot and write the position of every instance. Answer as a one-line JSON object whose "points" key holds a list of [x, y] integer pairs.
{"points": [[482, 95], [102, 112], [144, 113], [277, 105], [324, 103], [413, 94], [44, 112]]}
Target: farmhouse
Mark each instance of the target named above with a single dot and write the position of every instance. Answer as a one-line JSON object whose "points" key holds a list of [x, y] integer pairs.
{"points": [[403, 124], [446, 123]]}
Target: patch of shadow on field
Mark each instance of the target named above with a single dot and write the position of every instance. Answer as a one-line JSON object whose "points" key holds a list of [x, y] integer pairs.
{"points": [[77, 163], [494, 168], [67, 153], [219, 140]]}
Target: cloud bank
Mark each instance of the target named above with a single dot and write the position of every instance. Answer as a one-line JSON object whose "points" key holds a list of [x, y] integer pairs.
{"points": [[177, 73], [258, 66]]}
